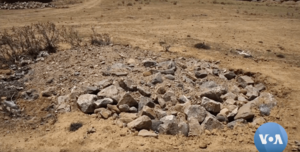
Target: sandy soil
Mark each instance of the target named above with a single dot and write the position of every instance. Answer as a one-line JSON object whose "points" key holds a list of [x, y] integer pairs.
{"points": [[226, 26]]}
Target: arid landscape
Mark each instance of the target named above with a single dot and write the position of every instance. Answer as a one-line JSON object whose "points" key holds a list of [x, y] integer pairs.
{"points": [[169, 49]]}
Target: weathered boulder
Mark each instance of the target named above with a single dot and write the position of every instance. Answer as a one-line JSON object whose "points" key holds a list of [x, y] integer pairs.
{"points": [[86, 103], [169, 126], [195, 111]]}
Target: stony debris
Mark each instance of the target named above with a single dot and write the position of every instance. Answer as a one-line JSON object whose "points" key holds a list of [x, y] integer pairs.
{"points": [[178, 96], [25, 5]]}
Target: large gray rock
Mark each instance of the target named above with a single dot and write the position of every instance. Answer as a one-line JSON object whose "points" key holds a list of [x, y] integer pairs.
{"points": [[211, 105], [195, 111], [127, 99], [86, 103], [169, 126], [214, 93], [103, 102], [245, 112], [143, 122]]}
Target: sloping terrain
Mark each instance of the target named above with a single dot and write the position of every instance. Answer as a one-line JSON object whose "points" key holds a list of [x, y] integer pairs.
{"points": [[269, 31]]}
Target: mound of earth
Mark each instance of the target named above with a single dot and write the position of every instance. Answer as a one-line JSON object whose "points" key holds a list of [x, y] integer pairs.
{"points": [[153, 93]]}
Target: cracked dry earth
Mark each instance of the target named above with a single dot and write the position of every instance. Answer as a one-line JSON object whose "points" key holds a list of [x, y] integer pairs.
{"points": [[133, 99]]}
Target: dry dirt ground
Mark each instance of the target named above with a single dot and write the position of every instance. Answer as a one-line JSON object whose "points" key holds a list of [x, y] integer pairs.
{"points": [[264, 29]]}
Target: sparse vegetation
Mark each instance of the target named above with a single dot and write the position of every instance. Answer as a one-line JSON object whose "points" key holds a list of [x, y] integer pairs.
{"points": [[99, 39]]}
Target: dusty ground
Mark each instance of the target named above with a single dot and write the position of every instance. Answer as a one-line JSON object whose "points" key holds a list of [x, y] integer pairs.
{"points": [[264, 29]]}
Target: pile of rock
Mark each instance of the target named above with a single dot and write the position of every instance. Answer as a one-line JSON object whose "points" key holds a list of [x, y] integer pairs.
{"points": [[177, 96], [25, 5]]}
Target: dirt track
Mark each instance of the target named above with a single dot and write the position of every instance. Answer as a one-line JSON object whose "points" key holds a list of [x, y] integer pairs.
{"points": [[225, 27]]}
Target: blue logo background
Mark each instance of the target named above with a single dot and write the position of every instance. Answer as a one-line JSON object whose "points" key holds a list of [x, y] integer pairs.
{"points": [[271, 129]]}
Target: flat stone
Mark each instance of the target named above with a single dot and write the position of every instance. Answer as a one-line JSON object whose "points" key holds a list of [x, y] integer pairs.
{"points": [[143, 122], [119, 74], [244, 81], [211, 105], [146, 133], [86, 103]]}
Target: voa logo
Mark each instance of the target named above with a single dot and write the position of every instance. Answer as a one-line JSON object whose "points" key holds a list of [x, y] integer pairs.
{"points": [[270, 137]]}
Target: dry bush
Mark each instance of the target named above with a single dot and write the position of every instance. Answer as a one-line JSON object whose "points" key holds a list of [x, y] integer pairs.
{"points": [[66, 2], [31, 40], [100, 39]]}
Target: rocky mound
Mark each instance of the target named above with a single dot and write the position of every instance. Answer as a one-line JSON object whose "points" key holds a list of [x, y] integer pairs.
{"points": [[25, 5], [145, 91]]}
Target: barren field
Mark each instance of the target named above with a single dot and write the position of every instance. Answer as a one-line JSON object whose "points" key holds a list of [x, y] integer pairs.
{"points": [[270, 32]]}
